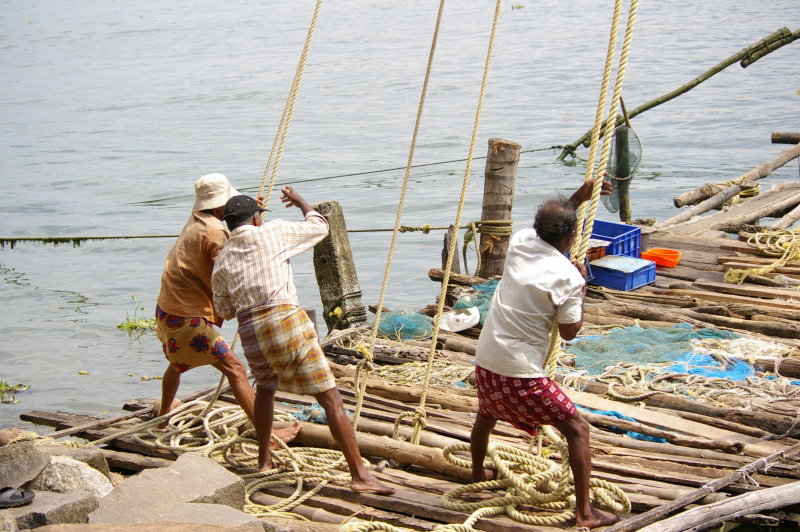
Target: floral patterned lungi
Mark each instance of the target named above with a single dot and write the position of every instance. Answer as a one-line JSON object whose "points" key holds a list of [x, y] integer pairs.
{"points": [[281, 346], [525, 403], [189, 342]]}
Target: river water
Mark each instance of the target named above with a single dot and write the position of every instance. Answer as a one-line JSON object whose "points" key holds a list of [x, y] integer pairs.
{"points": [[113, 109]]}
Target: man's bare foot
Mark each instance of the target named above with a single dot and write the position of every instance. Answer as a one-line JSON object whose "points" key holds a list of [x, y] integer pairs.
{"points": [[157, 408], [484, 475], [596, 518], [266, 466], [370, 483], [286, 435]]}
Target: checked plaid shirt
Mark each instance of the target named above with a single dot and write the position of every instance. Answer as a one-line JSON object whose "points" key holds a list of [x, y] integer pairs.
{"points": [[253, 270]]}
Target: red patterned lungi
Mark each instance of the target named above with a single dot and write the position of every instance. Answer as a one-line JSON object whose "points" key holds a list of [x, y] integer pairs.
{"points": [[525, 403]]}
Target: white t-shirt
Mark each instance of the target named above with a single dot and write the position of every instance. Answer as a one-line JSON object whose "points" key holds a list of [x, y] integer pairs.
{"points": [[539, 286]]}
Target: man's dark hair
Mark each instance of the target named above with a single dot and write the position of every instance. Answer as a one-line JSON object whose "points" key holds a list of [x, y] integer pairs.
{"points": [[233, 222], [555, 219]]}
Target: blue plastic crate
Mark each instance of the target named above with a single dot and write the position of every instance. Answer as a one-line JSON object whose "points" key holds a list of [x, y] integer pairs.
{"points": [[625, 239], [622, 273]]}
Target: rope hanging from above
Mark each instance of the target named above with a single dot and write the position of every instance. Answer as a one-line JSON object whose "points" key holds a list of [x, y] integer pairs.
{"points": [[366, 363], [288, 112]]}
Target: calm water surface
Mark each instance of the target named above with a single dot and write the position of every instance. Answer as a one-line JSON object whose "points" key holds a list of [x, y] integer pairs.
{"points": [[111, 110]]}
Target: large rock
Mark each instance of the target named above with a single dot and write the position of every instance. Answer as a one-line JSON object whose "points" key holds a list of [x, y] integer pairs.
{"points": [[20, 463], [194, 489], [49, 508], [88, 455], [67, 475], [7, 522], [10, 434]]}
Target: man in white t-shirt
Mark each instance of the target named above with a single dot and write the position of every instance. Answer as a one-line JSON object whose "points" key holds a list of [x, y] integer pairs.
{"points": [[539, 287]]}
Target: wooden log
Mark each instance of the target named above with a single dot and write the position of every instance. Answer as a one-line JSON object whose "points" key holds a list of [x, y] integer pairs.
{"points": [[636, 523], [779, 137], [752, 446], [789, 266], [714, 202], [449, 236], [769, 422], [747, 290], [498, 198], [430, 458], [672, 437], [133, 461], [714, 514], [759, 172], [622, 164], [790, 271], [336, 274], [789, 368], [788, 219], [707, 295], [317, 515], [345, 508], [435, 274], [777, 199]]}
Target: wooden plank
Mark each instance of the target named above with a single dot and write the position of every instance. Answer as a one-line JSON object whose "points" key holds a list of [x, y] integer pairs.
{"points": [[753, 446], [780, 197], [748, 290], [733, 298]]}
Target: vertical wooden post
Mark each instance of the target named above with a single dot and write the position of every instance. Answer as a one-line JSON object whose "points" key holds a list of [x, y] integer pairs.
{"points": [[452, 234], [336, 273], [498, 197], [623, 167]]}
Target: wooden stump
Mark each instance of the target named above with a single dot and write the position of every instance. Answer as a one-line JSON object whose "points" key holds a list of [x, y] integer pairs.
{"points": [[498, 196]]}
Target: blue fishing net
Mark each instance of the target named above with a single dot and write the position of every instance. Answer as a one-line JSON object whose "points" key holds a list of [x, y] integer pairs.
{"points": [[635, 345], [315, 414], [708, 366], [403, 325], [614, 413], [480, 300]]}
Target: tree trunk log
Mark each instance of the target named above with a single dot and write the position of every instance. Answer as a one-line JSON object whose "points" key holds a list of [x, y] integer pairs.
{"points": [[498, 197]]}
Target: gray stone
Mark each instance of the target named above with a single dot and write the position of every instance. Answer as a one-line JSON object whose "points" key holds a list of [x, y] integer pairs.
{"points": [[88, 455], [67, 475], [49, 508], [194, 489], [7, 522], [20, 463]]}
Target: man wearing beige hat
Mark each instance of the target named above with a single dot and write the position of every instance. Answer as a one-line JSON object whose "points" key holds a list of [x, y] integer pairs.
{"points": [[186, 321]]}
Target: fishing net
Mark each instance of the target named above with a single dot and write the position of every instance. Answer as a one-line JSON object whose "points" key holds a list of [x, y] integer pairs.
{"points": [[635, 345], [405, 325], [480, 300], [623, 163]]}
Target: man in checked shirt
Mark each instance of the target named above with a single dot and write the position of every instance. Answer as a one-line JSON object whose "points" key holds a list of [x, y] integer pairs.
{"points": [[252, 280]]}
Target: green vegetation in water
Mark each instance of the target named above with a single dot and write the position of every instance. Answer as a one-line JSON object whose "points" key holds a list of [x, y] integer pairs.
{"points": [[137, 325], [8, 392], [517, 6]]}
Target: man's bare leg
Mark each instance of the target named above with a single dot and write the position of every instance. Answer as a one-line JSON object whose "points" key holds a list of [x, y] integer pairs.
{"points": [[234, 371], [169, 387], [342, 431], [478, 443], [264, 410], [576, 430]]}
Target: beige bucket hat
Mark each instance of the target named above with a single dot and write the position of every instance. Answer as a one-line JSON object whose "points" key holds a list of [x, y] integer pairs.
{"points": [[212, 191]]}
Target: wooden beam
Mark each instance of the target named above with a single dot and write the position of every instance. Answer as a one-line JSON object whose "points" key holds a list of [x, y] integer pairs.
{"points": [[636, 523]]}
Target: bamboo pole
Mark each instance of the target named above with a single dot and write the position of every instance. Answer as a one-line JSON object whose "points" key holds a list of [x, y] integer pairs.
{"points": [[770, 43], [636, 523]]}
